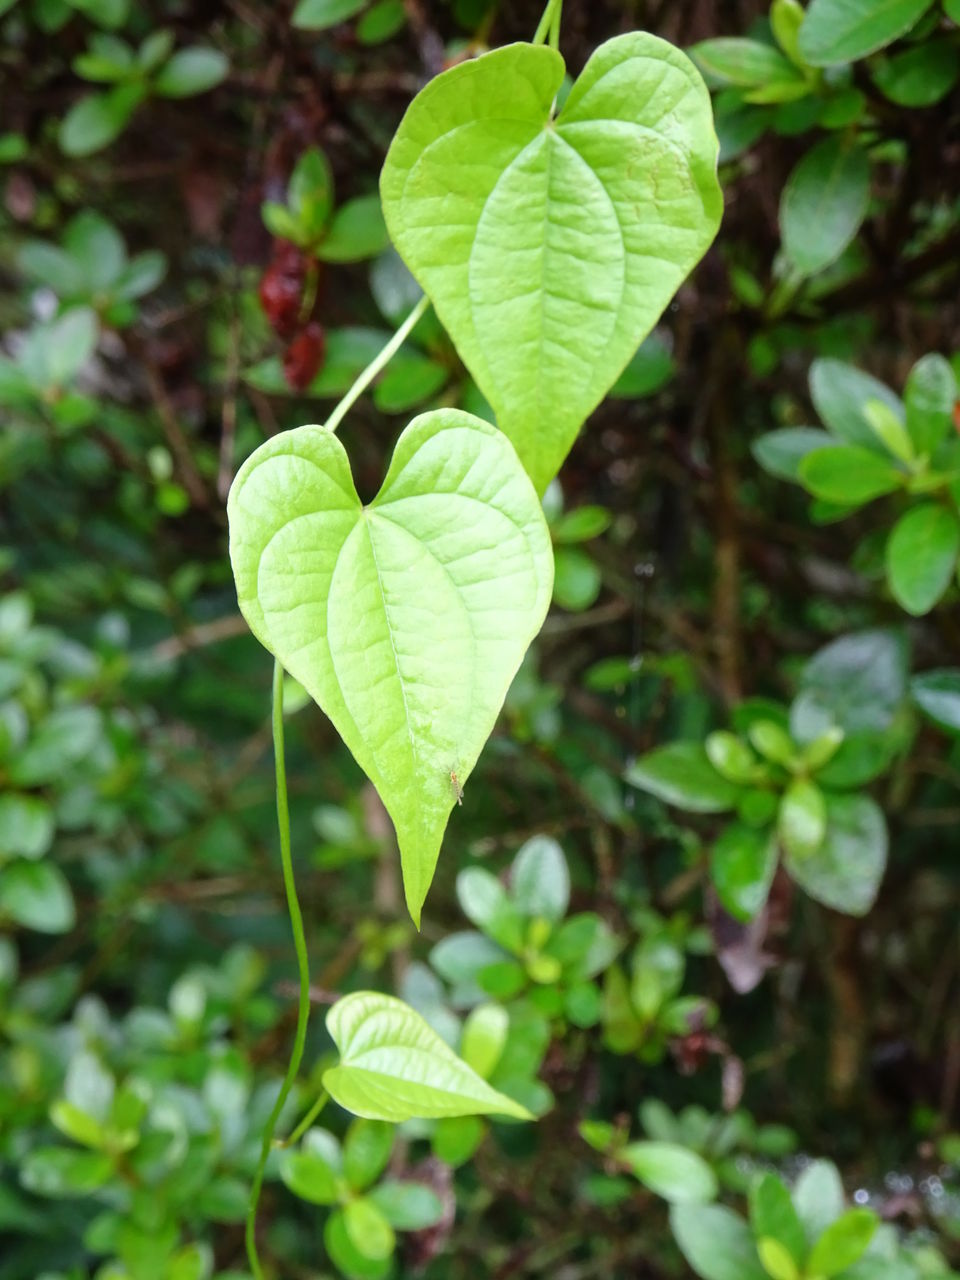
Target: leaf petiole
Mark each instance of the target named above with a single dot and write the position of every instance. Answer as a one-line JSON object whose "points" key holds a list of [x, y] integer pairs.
{"points": [[376, 364], [549, 25]]}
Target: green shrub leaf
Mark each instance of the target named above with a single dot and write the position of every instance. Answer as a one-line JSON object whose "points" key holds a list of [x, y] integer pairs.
{"points": [[922, 555], [681, 774], [671, 1171], [824, 203], [836, 31]]}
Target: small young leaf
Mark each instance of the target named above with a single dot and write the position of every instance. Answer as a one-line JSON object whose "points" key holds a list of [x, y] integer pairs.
{"points": [[310, 1177], [921, 556], [394, 1067], [749, 64], [681, 774], [824, 203], [836, 31], [484, 1036], [366, 1151], [802, 819], [731, 756], [677, 1174], [889, 429], [405, 620], [818, 1198], [310, 193], [409, 1206]]}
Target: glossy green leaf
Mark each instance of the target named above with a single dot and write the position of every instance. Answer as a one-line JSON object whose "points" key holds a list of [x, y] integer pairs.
{"points": [[344, 1254], [742, 865], [357, 231], [772, 1214], [550, 247], [843, 1242], [930, 395], [921, 76], [674, 1172], [191, 71], [838, 31], [540, 879], [849, 475], [27, 826], [366, 1151], [824, 203], [845, 872], [409, 1206], [407, 619], [394, 1067], [310, 1177], [857, 682], [922, 555], [781, 452], [37, 896], [938, 694], [841, 393], [93, 122], [716, 1242], [751, 65], [317, 15], [681, 774]]}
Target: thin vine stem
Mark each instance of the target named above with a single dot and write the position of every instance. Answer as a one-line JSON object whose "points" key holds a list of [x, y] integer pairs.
{"points": [[300, 946], [376, 364], [307, 1120], [549, 24]]}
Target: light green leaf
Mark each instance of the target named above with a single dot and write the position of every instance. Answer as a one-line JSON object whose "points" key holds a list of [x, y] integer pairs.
{"points": [[671, 1171], [551, 247], [63, 1171], [394, 1067], [317, 15], [356, 231], [890, 430], [848, 475], [802, 818], [716, 1242], [843, 1242], [921, 556], [818, 1197], [845, 872], [484, 1037], [836, 31], [930, 396], [938, 694], [406, 620], [681, 774], [310, 194], [824, 203], [577, 581], [191, 71], [345, 1255]]}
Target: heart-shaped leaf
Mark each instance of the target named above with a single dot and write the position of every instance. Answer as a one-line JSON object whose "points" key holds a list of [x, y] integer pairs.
{"points": [[405, 620], [550, 247], [395, 1067]]}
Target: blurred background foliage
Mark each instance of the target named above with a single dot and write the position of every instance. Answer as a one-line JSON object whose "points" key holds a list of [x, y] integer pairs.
{"points": [[698, 909]]}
